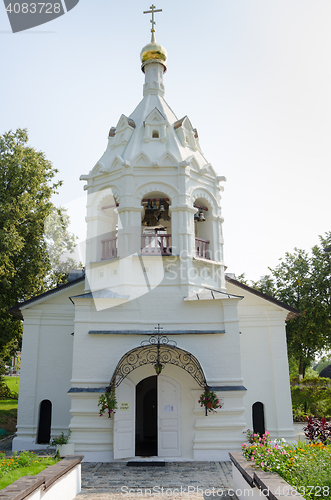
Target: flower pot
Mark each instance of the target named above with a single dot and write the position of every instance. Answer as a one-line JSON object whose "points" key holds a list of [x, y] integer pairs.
{"points": [[66, 449]]}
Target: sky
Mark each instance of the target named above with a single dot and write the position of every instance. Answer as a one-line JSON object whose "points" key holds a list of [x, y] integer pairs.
{"points": [[253, 76]]}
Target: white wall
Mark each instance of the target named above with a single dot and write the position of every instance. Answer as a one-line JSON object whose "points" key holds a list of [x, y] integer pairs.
{"points": [[46, 365], [264, 362]]}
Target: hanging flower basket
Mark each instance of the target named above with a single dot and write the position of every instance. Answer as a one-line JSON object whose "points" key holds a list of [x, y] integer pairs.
{"points": [[210, 401], [107, 402]]}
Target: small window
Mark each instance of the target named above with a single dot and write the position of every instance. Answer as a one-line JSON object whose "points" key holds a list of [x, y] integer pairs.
{"points": [[155, 134], [258, 418], [45, 420]]}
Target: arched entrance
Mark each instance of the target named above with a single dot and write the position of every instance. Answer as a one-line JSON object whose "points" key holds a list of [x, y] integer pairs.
{"points": [[141, 426]]}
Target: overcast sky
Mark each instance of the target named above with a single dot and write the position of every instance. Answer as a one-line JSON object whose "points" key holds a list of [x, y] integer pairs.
{"points": [[253, 76]]}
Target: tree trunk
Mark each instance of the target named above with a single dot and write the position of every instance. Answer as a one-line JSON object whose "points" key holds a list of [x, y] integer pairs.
{"points": [[302, 369]]}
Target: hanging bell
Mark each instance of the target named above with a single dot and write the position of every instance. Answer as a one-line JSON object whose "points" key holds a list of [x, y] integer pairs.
{"points": [[196, 217], [154, 206], [201, 215], [149, 206], [162, 209]]}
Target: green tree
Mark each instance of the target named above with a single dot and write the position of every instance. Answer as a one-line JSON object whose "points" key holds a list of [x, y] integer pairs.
{"points": [[60, 245], [26, 187], [303, 281]]}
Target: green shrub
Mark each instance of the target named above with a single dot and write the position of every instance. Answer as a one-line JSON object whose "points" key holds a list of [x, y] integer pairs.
{"points": [[312, 396]]}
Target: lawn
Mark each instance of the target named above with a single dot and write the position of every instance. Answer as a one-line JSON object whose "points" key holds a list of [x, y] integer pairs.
{"points": [[8, 407], [13, 383], [8, 415], [24, 464]]}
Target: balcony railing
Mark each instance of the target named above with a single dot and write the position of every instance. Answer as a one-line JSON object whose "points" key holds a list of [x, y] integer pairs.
{"points": [[202, 248], [109, 249], [156, 244]]}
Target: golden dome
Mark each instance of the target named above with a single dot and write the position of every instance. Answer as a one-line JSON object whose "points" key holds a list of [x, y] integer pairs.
{"points": [[153, 51]]}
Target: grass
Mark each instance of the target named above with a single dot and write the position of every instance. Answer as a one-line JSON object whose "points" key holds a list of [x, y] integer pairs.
{"points": [[8, 415], [24, 464], [13, 383], [8, 407]]}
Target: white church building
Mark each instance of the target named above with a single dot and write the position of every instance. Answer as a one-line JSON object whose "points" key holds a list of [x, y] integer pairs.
{"points": [[154, 256]]}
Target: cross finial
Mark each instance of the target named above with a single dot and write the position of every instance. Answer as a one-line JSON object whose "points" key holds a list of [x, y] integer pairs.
{"points": [[158, 328], [152, 11]]}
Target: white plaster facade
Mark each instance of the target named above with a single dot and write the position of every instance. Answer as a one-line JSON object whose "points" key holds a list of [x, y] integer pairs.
{"points": [[133, 282]]}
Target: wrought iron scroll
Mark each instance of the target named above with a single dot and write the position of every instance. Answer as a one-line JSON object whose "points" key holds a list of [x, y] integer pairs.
{"points": [[150, 352]]}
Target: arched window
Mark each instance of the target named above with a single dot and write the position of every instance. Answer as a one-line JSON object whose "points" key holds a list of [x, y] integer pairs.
{"points": [[155, 134], [45, 421], [258, 418]]}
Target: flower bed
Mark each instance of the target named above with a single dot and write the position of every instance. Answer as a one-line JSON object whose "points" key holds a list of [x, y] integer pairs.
{"points": [[60, 481], [26, 463], [306, 467]]}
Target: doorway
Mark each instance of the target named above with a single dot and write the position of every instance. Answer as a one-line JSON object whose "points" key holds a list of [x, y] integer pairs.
{"points": [[146, 417]]}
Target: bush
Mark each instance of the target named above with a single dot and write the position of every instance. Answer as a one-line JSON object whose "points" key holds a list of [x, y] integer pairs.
{"points": [[318, 431], [5, 392], [312, 397], [299, 414]]}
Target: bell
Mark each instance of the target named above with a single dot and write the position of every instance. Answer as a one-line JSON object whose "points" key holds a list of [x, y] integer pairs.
{"points": [[154, 206], [149, 206], [201, 215], [196, 217], [162, 209]]}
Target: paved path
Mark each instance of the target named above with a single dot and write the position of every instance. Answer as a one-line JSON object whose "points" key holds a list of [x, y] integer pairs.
{"points": [[176, 480], [298, 430]]}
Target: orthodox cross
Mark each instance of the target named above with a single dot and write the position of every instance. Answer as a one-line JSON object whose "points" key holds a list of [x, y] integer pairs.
{"points": [[152, 12], [158, 328]]}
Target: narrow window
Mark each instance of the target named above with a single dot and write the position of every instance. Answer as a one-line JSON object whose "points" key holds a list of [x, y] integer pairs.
{"points": [[258, 418], [45, 420], [155, 134]]}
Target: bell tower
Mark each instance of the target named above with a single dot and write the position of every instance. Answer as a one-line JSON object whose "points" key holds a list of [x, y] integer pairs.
{"points": [[153, 212]]}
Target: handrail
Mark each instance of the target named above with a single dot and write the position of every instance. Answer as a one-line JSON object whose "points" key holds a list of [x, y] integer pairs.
{"points": [[109, 248], [202, 248], [156, 244]]}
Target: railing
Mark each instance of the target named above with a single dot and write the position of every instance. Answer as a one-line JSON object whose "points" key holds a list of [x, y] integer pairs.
{"points": [[202, 248], [109, 249], [156, 244]]}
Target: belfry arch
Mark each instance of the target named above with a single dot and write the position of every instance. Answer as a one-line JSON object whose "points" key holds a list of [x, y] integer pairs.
{"points": [[158, 353]]}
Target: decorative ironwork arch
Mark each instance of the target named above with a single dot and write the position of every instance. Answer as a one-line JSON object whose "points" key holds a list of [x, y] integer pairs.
{"points": [[158, 351]]}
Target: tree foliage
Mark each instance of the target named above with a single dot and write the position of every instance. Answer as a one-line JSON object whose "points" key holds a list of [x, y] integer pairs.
{"points": [[60, 245], [26, 187], [303, 280]]}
